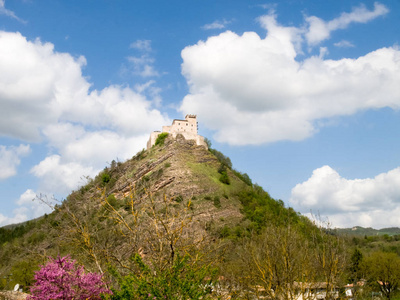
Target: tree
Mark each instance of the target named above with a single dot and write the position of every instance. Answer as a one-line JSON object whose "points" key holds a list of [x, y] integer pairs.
{"points": [[383, 270], [63, 279], [181, 281], [276, 261], [167, 261], [330, 257], [355, 270], [23, 272]]}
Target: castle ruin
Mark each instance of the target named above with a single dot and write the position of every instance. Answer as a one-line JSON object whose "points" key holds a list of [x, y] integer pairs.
{"points": [[188, 128]]}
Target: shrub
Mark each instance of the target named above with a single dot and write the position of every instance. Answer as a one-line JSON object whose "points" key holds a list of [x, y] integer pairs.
{"points": [[161, 138], [178, 198], [62, 278], [113, 201], [181, 280], [217, 202], [105, 178], [244, 177], [225, 160], [224, 178]]}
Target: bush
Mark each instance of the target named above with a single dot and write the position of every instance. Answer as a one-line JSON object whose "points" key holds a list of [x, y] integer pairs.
{"points": [[178, 198], [217, 202], [113, 201], [224, 178], [105, 178], [161, 138], [244, 177], [181, 280], [62, 278], [225, 160]]}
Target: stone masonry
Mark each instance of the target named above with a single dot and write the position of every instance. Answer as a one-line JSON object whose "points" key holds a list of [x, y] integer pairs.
{"points": [[188, 128]]}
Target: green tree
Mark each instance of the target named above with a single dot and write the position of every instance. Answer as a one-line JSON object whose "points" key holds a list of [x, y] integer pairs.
{"points": [[23, 272], [383, 270]]}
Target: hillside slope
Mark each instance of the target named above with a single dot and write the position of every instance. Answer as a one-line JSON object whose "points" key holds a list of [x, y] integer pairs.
{"points": [[173, 199]]}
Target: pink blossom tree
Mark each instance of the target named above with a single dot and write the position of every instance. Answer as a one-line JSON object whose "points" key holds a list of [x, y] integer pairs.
{"points": [[63, 279]]}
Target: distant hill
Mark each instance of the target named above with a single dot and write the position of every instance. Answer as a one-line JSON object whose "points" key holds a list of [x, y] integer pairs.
{"points": [[362, 231]]}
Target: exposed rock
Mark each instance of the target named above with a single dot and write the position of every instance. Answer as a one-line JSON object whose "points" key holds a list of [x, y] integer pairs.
{"points": [[12, 295]]}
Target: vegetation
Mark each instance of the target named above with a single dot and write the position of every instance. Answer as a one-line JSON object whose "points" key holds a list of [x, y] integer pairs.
{"points": [[172, 223], [63, 279], [161, 138]]}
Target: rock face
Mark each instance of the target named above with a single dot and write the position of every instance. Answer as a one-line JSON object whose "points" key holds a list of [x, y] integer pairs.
{"points": [[11, 295], [181, 169]]}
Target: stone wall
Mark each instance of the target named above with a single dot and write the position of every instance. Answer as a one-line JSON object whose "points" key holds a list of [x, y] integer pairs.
{"points": [[187, 127]]}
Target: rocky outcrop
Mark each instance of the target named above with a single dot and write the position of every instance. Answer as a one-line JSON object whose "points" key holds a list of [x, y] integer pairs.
{"points": [[12, 295]]}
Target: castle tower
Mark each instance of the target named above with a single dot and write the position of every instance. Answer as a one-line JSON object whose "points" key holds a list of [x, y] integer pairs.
{"points": [[188, 128]]}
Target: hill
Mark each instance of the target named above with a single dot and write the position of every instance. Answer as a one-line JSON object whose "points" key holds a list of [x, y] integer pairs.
{"points": [[362, 231], [176, 198]]}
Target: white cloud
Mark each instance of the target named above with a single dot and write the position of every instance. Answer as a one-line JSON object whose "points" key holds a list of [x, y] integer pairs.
{"points": [[143, 66], [319, 30], [44, 97], [219, 24], [36, 85], [143, 45], [29, 207], [9, 13], [266, 93], [10, 158], [58, 176], [19, 216], [344, 44], [371, 202]]}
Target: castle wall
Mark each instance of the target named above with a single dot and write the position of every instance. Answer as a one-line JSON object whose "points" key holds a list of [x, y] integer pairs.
{"points": [[187, 127]]}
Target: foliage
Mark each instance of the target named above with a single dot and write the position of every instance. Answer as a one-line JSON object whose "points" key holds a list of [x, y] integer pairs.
{"points": [[244, 177], [161, 138], [356, 260], [217, 202], [113, 201], [8, 234], [224, 178], [208, 142], [383, 271], [180, 281], [225, 160], [62, 278], [23, 272], [276, 260], [261, 209]]}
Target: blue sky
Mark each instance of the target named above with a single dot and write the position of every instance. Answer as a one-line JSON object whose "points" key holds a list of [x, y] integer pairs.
{"points": [[303, 96]]}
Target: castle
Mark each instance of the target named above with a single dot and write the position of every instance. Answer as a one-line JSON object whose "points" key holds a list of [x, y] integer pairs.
{"points": [[188, 128]]}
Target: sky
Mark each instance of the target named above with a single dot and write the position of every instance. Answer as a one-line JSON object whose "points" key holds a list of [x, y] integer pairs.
{"points": [[303, 96]]}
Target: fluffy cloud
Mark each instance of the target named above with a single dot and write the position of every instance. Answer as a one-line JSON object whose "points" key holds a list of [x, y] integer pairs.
{"points": [[44, 97], [29, 207], [266, 93], [10, 159], [319, 30], [36, 85], [366, 202]]}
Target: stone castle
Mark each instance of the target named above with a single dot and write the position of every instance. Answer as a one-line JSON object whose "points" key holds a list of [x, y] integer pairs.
{"points": [[187, 128]]}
